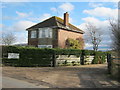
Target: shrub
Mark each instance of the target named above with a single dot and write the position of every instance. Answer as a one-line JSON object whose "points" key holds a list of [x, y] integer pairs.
{"points": [[74, 44], [99, 57]]}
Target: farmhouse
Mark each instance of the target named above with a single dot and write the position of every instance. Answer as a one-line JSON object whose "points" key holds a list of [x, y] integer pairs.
{"points": [[53, 33]]}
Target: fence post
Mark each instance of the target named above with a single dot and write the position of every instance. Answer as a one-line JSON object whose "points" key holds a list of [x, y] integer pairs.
{"points": [[109, 62], [54, 60], [82, 58]]}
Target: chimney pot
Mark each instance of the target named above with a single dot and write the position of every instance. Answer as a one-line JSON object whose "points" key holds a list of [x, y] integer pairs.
{"points": [[66, 19]]}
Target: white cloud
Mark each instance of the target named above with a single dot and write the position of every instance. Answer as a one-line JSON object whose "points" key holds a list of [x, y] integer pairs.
{"points": [[19, 29], [23, 15], [22, 25], [102, 12], [21, 37], [103, 25], [66, 7], [40, 18], [53, 9], [97, 22], [93, 4], [45, 16], [20, 15]]}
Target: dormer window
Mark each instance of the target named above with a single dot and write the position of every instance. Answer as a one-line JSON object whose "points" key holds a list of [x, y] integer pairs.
{"points": [[33, 34]]}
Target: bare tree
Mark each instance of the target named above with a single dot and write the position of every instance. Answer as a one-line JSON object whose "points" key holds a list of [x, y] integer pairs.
{"points": [[94, 35], [8, 38], [115, 28]]}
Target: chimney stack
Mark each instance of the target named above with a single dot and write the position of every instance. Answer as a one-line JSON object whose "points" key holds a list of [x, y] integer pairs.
{"points": [[66, 19]]}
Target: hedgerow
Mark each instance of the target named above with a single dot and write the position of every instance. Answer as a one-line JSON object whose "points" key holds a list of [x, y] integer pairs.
{"points": [[32, 56]]}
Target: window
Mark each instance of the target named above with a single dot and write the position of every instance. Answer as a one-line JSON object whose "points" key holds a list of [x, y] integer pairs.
{"points": [[44, 46], [33, 34], [45, 32]]}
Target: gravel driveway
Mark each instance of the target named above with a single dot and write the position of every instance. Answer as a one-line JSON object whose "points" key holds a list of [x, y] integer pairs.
{"points": [[84, 76]]}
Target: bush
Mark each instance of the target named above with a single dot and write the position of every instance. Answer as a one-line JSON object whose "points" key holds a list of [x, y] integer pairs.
{"points": [[74, 44], [99, 57]]}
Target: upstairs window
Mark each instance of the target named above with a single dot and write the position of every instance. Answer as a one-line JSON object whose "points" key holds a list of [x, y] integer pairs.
{"points": [[33, 34], [45, 32]]}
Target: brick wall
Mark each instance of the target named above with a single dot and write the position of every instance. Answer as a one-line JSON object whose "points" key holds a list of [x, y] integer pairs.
{"points": [[63, 35], [58, 40], [32, 41], [42, 41]]}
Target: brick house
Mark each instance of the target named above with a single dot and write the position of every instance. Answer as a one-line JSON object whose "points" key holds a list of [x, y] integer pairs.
{"points": [[53, 33]]}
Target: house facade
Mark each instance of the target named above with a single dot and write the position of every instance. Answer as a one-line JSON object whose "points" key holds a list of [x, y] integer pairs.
{"points": [[53, 33]]}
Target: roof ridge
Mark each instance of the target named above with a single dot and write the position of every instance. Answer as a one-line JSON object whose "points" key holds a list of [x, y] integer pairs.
{"points": [[62, 20], [56, 20], [40, 22]]}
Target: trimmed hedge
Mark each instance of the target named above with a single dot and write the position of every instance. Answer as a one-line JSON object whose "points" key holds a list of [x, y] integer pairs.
{"points": [[29, 56], [32, 56]]}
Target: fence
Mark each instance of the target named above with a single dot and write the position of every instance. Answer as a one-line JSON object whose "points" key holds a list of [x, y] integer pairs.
{"points": [[29, 56], [115, 66]]}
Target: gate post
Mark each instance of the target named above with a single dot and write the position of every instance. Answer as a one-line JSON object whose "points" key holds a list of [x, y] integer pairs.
{"points": [[54, 60], [82, 59], [109, 62]]}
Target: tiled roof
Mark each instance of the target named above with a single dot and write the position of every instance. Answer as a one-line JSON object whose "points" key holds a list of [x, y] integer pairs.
{"points": [[56, 22]]}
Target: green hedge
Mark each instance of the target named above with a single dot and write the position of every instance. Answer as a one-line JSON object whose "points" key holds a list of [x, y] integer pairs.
{"points": [[99, 57], [31, 56]]}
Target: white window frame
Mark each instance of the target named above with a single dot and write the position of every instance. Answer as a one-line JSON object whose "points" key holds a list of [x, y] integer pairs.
{"points": [[33, 34], [45, 46], [46, 31]]}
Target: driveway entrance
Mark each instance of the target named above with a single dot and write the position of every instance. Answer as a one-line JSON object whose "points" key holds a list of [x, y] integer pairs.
{"points": [[84, 76]]}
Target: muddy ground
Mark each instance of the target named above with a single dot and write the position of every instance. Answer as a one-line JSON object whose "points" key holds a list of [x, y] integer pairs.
{"points": [[84, 76]]}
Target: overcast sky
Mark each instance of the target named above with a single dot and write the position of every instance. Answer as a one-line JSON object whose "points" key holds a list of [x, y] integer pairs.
{"points": [[16, 17]]}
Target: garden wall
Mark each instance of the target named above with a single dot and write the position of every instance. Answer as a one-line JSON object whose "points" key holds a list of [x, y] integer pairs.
{"points": [[73, 60], [67, 60]]}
